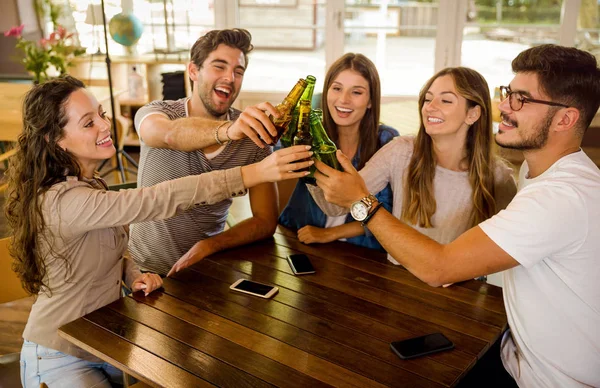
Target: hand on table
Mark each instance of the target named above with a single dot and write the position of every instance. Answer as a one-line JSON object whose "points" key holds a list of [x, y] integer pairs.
{"points": [[147, 282], [196, 253], [313, 234]]}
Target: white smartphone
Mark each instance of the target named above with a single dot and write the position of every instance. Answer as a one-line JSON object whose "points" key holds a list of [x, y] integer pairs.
{"points": [[300, 264], [254, 288]]}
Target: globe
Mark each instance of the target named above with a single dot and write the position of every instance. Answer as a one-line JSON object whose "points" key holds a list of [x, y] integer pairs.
{"points": [[125, 29]]}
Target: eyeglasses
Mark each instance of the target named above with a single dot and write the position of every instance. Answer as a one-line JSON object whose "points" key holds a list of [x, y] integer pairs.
{"points": [[516, 99]]}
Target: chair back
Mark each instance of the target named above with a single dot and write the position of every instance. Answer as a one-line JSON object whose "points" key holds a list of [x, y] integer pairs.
{"points": [[10, 284], [122, 186]]}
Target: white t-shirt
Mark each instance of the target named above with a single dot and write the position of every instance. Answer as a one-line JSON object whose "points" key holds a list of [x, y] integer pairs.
{"points": [[552, 228]]}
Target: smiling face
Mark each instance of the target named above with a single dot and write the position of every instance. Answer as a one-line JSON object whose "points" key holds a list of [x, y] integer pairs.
{"points": [[86, 135], [529, 127], [219, 79], [444, 111], [348, 98]]}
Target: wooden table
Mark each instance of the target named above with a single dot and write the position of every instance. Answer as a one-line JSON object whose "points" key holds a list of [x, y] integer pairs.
{"points": [[331, 328]]}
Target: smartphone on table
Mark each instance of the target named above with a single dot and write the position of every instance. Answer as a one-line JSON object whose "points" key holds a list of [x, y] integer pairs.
{"points": [[254, 288], [300, 264], [421, 346]]}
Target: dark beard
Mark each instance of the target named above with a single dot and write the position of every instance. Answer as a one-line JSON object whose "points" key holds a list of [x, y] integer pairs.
{"points": [[539, 138], [210, 108]]}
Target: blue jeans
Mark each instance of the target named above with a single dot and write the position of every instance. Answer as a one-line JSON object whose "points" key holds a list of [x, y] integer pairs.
{"points": [[44, 365]]}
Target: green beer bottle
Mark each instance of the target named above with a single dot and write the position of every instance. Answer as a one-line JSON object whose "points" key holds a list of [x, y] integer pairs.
{"points": [[286, 107], [288, 137], [323, 147], [303, 136]]}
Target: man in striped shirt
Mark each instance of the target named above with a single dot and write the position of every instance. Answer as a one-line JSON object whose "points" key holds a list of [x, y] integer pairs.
{"points": [[192, 136]]}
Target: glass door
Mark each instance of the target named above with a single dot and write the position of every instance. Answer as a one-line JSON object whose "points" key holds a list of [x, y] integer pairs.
{"points": [[497, 31], [289, 42], [588, 32], [398, 36]]}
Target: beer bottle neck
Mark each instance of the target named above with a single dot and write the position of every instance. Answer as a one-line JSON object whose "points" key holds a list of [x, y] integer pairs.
{"points": [[319, 134], [308, 93], [285, 106]]}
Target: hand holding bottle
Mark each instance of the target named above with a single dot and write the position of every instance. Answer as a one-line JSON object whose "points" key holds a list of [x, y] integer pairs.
{"points": [[254, 123], [340, 188], [280, 165]]}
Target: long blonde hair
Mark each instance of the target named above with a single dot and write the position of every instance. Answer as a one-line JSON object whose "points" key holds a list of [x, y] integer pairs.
{"points": [[419, 202]]}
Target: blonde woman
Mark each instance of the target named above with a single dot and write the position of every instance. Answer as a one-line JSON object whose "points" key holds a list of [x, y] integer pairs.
{"points": [[447, 178]]}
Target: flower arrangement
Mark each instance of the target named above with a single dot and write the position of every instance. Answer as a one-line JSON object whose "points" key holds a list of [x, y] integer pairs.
{"points": [[57, 50]]}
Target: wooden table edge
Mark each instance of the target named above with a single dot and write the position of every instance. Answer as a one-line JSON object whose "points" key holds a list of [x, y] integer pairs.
{"points": [[102, 356]]}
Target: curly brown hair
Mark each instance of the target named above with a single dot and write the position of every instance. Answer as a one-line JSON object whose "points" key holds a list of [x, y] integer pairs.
{"points": [[38, 164]]}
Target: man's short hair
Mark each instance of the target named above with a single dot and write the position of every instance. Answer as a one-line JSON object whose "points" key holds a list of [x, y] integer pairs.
{"points": [[236, 38], [567, 75]]}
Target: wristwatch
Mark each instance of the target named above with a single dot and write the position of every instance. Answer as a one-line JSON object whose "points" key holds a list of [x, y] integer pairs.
{"points": [[360, 209]]}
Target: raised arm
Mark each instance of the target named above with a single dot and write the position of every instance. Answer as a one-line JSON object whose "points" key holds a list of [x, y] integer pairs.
{"points": [[75, 207], [377, 173], [184, 134], [472, 254], [157, 130]]}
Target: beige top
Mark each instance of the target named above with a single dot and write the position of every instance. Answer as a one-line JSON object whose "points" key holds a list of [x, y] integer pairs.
{"points": [[85, 224], [452, 190]]}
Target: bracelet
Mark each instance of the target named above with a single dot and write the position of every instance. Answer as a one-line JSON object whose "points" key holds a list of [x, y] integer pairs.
{"points": [[227, 131], [219, 142], [364, 223]]}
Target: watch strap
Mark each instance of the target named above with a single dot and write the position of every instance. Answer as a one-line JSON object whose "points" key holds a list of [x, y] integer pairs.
{"points": [[369, 200], [364, 223]]}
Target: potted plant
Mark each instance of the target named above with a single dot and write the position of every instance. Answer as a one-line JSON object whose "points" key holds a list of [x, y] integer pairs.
{"points": [[58, 50]]}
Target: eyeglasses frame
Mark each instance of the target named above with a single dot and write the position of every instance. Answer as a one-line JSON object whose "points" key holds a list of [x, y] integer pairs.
{"points": [[524, 99]]}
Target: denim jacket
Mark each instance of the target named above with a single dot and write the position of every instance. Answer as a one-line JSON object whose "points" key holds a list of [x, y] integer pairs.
{"points": [[302, 210]]}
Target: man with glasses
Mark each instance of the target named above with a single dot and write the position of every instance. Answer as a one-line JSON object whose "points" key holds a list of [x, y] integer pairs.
{"points": [[548, 238]]}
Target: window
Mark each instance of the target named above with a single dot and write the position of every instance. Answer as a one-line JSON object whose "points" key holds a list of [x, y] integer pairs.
{"points": [[497, 31], [170, 26]]}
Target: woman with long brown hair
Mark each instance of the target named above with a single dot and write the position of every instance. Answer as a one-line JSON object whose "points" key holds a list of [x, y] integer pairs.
{"points": [[70, 233], [448, 178], [351, 103]]}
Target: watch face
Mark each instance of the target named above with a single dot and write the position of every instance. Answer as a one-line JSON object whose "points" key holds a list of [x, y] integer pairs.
{"points": [[359, 211]]}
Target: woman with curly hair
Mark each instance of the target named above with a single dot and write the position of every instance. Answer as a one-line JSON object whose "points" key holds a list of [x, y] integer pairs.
{"points": [[70, 233]]}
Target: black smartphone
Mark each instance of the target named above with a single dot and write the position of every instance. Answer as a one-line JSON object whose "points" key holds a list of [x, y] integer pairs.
{"points": [[254, 288], [300, 264], [420, 346]]}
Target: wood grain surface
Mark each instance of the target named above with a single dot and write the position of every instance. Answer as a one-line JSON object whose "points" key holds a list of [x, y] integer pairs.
{"points": [[331, 328]]}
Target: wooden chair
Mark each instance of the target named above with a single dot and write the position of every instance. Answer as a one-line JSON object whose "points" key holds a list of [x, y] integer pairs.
{"points": [[122, 186], [10, 290], [10, 284]]}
